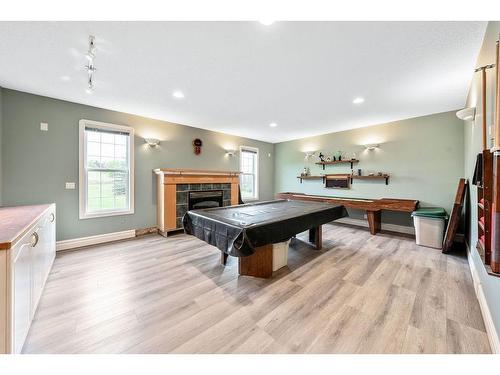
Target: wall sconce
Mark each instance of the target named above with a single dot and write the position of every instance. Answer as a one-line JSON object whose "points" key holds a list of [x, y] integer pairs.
{"points": [[152, 142], [372, 147], [230, 153], [309, 154], [467, 114]]}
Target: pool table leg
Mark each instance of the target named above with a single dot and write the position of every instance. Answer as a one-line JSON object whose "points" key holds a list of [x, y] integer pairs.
{"points": [[223, 258], [316, 237], [374, 221], [260, 264]]}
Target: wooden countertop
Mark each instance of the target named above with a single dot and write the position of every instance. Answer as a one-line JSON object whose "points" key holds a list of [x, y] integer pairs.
{"points": [[15, 221]]}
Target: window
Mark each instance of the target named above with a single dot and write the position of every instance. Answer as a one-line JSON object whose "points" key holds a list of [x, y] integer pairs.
{"points": [[106, 169], [249, 162]]}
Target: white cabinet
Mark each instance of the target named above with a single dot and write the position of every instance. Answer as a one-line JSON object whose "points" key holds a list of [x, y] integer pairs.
{"points": [[21, 294], [29, 262]]}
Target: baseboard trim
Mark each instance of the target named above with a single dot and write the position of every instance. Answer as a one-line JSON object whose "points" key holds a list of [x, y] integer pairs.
{"points": [[483, 304], [389, 227], [94, 240]]}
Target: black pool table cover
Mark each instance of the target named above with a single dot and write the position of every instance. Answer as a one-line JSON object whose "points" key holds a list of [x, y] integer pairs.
{"points": [[238, 230]]}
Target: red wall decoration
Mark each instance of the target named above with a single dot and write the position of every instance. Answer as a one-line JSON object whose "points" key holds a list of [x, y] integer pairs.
{"points": [[197, 143]]}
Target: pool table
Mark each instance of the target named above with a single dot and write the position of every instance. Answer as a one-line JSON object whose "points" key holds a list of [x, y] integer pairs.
{"points": [[248, 231], [373, 207]]}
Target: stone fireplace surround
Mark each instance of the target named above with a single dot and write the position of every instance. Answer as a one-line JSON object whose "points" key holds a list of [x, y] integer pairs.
{"points": [[173, 186], [182, 191]]}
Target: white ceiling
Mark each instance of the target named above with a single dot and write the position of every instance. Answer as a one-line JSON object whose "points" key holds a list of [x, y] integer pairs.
{"points": [[238, 77]]}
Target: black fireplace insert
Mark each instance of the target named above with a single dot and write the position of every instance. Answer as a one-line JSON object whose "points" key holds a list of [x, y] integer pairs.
{"points": [[204, 199]]}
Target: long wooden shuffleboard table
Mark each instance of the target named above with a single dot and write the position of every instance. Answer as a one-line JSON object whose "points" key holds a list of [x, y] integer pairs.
{"points": [[373, 207]]}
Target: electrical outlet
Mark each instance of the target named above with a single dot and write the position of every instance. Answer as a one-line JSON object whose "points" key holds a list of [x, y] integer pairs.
{"points": [[44, 126], [70, 185]]}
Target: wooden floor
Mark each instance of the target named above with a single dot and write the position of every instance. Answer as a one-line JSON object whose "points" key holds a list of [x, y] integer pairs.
{"points": [[360, 294]]}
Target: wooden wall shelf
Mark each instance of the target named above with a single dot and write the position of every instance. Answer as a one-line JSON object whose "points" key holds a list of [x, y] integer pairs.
{"points": [[324, 163], [383, 177], [309, 178]]}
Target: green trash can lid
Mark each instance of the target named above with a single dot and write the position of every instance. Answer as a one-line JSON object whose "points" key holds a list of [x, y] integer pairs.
{"points": [[433, 212]]}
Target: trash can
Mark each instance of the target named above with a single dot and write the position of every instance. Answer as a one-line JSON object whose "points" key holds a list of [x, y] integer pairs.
{"points": [[429, 225]]}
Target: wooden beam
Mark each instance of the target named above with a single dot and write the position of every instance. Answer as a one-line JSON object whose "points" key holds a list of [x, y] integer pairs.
{"points": [[483, 79]]}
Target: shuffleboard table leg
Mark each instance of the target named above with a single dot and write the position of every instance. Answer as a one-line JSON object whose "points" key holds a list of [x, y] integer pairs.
{"points": [[374, 221], [223, 258], [316, 237], [260, 264]]}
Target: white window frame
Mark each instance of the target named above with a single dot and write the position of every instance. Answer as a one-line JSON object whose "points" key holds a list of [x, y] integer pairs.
{"points": [[256, 150], [83, 174]]}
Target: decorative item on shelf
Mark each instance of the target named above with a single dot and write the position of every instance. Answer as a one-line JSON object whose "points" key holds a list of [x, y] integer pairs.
{"points": [[371, 174], [321, 157], [197, 143], [334, 158], [329, 159], [359, 172], [305, 172], [379, 173], [339, 155]]}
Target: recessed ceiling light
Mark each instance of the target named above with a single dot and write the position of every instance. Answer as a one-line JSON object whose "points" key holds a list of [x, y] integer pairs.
{"points": [[266, 22], [178, 94], [358, 100], [273, 124]]}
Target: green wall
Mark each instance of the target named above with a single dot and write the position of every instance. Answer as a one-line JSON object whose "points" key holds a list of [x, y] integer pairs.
{"points": [[38, 163], [423, 155], [473, 146]]}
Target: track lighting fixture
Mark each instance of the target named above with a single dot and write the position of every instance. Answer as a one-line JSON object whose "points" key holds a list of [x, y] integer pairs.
{"points": [[90, 67]]}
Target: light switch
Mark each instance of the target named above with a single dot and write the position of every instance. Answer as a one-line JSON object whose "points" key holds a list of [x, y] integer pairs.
{"points": [[70, 185], [44, 126]]}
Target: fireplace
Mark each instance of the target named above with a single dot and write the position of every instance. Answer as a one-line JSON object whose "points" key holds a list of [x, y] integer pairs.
{"points": [[175, 185], [205, 199]]}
